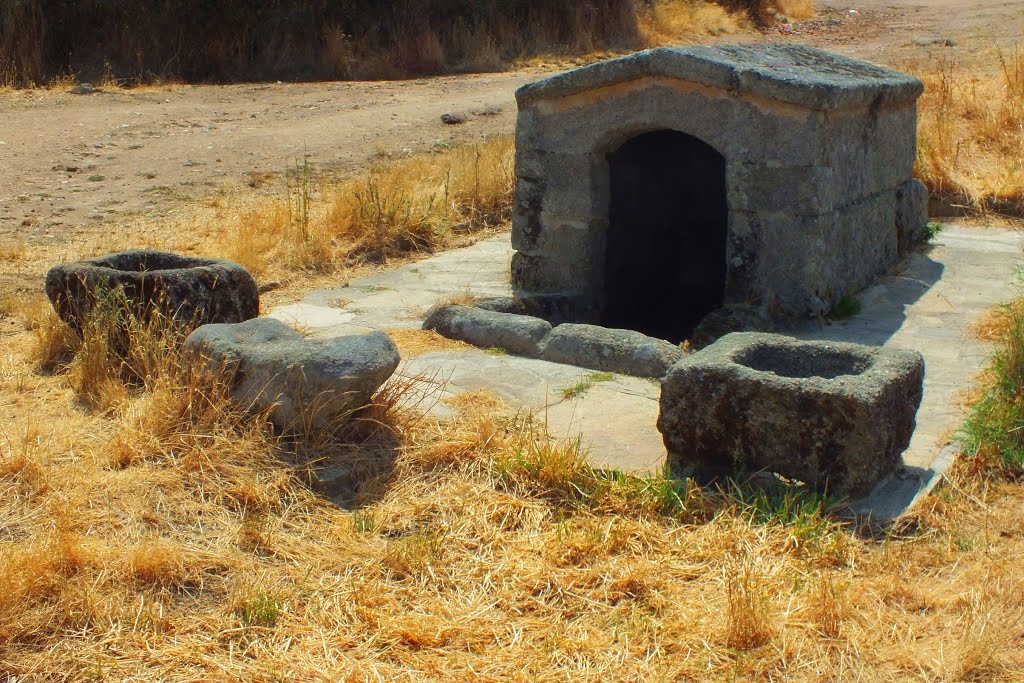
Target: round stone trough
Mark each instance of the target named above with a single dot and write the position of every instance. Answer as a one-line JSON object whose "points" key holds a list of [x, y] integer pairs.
{"points": [[192, 291], [828, 414]]}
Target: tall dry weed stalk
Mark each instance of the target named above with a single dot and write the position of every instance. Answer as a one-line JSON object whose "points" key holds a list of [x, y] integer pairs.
{"points": [[749, 620]]}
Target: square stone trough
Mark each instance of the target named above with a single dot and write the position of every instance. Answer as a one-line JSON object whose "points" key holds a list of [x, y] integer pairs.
{"points": [[655, 188], [830, 415]]}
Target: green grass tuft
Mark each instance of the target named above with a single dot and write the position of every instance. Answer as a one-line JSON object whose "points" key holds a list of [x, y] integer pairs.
{"points": [[583, 386], [847, 307], [261, 609], [994, 433]]}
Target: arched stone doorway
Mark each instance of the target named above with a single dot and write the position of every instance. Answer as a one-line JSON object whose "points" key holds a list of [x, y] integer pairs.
{"points": [[665, 252]]}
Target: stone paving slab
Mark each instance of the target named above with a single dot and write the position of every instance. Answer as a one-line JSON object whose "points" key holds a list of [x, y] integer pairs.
{"points": [[929, 304], [615, 417], [399, 298]]}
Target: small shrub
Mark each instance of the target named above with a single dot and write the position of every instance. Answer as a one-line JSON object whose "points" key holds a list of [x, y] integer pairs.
{"points": [[847, 307]]}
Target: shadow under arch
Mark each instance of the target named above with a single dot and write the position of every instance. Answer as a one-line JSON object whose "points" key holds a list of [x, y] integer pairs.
{"points": [[665, 249]]}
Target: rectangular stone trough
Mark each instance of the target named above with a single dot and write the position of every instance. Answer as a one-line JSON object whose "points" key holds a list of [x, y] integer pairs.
{"points": [[830, 415]]}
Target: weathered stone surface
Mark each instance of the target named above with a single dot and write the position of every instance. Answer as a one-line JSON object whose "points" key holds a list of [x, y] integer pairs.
{"points": [[851, 246], [927, 42], [816, 146], [824, 413], [911, 214], [870, 150], [601, 348], [738, 127], [727, 319], [788, 73], [519, 334], [308, 384], [192, 290]]}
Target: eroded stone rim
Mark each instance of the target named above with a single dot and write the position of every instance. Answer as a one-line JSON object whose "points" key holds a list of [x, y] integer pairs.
{"points": [[724, 353], [116, 262], [812, 356]]}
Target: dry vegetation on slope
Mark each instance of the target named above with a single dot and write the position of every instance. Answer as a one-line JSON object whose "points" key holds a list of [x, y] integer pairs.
{"points": [[160, 534], [198, 40]]}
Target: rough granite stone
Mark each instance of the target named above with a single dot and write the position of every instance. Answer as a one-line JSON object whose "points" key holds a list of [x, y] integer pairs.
{"points": [[818, 153], [307, 384], [193, 291], [823, 413], [519, 334], [504, 304], [600, 348]]}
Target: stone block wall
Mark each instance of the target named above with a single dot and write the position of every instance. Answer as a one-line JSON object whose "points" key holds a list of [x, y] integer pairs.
{"points": [[819, 151]]}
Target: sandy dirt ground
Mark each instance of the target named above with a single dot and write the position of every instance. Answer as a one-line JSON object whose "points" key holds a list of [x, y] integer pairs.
{"points": [[73, 165]]}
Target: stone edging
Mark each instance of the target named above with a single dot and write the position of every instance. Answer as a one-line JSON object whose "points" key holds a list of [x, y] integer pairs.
{"points": [[588, 346]]}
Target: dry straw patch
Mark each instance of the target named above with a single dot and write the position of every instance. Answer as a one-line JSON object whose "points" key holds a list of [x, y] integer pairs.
{"points": [[413, 343], [971, 132], [416, 204], [181, 540], [673, 21]]}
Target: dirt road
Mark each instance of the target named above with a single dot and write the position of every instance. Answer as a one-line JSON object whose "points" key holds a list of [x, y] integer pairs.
{"points": [[71, 164]]}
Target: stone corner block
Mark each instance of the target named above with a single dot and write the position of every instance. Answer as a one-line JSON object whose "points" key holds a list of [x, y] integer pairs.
{"points": [[824, 413], [911, 215]]}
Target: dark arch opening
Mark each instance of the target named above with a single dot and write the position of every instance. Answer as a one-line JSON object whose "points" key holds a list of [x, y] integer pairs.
{"points": [[665, 263]]}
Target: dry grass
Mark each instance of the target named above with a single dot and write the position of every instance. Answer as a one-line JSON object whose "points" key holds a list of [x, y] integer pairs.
{"points": [[971, 132], [172, 537], [412, 343], [673, 21], [997, 323], [415, 204], [796, 10], [155, 532]]}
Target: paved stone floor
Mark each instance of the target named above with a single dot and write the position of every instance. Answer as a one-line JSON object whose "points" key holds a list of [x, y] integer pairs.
{"points": [[929, 303]]}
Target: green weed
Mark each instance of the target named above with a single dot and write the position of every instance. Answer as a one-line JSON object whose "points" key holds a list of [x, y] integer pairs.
{"points": [[994, 432], [261, 609], [583, 386], [803, 511], [846, 307]]}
